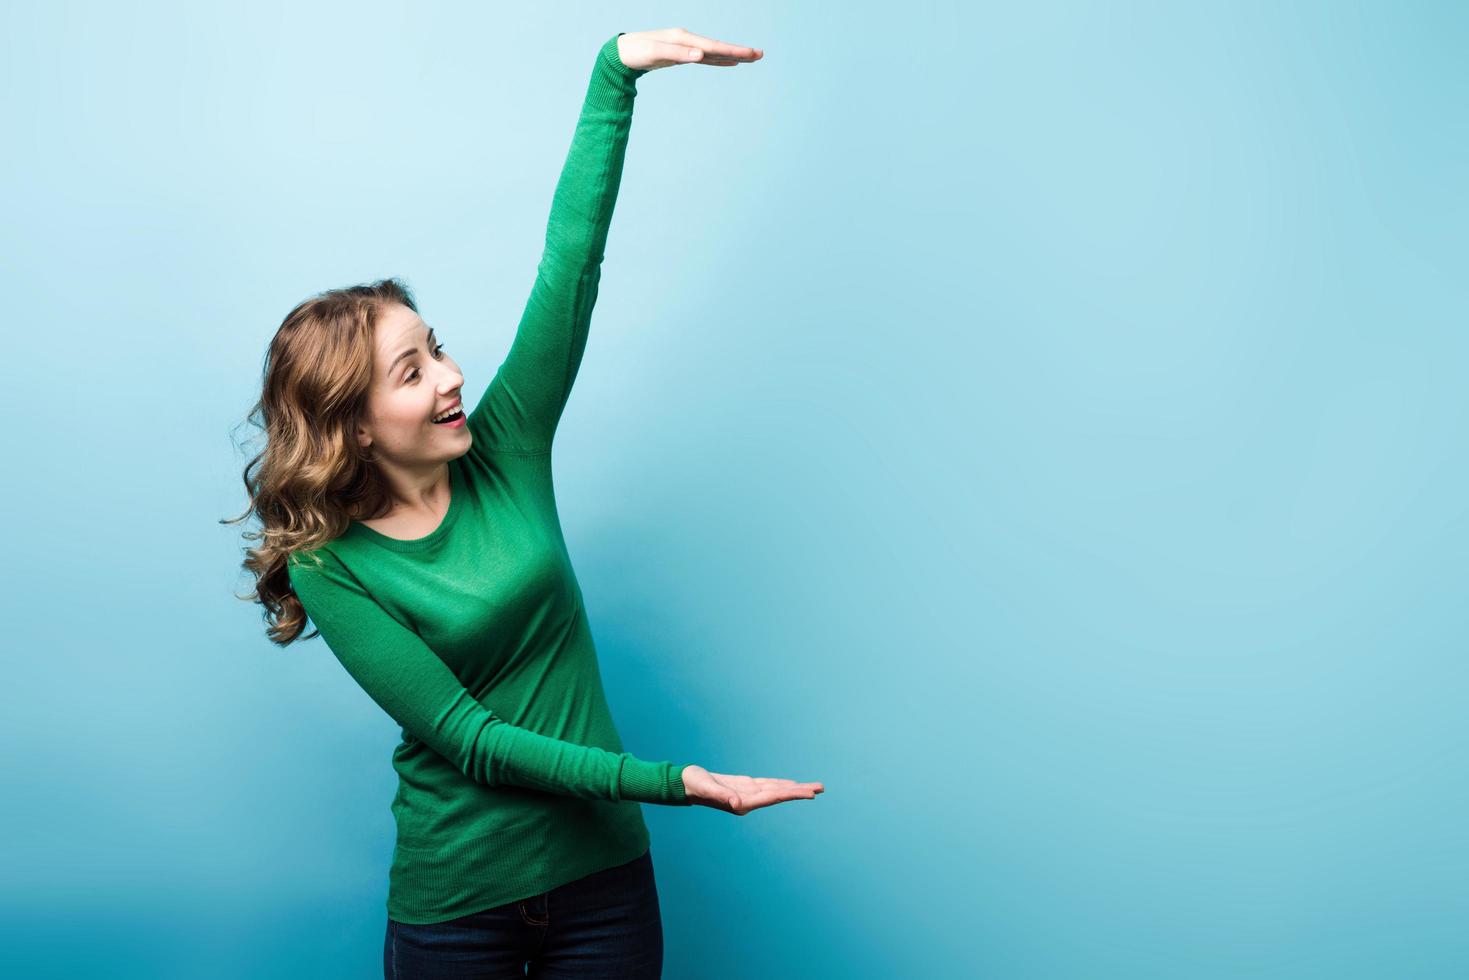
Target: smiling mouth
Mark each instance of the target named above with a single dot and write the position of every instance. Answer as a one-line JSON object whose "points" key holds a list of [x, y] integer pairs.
{"points": [[451, 419]]}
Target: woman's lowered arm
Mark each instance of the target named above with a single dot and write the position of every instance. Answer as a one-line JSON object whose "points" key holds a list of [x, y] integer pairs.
{"points": [[419, 691]]}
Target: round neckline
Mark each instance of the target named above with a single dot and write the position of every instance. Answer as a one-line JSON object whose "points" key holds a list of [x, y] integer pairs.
{"points": [[456, 500]]}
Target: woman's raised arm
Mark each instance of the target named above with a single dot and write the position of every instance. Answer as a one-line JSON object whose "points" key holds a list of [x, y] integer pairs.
{"points": [[522, 405]]}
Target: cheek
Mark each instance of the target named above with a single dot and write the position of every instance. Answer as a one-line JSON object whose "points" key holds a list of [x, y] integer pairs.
{"points": [[409, 413]]}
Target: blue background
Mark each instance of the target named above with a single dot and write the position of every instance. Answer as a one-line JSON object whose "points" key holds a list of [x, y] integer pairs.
{"points": [[1044, 424]]}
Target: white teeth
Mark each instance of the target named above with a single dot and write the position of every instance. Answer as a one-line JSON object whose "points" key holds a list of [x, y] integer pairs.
{"points": [[452, 411]]}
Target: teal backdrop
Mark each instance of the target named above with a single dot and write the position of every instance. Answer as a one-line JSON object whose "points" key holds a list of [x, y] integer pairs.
{"points": [[1043, 423]]}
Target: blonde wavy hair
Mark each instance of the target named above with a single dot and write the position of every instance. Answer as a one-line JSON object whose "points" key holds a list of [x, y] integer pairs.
{"points": [[311, 479]]}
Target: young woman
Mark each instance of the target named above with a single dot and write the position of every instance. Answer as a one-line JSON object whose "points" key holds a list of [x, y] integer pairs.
{"points": [[423, 542]]}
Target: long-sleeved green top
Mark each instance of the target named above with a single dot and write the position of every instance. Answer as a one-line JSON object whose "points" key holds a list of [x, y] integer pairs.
{"points": [[512, 778]]}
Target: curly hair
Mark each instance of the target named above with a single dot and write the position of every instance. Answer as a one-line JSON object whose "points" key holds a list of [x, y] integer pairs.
{"points": [[312, 479]]}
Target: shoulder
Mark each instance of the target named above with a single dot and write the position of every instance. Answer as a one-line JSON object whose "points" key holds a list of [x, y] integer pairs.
{"points": [[320, 559]]}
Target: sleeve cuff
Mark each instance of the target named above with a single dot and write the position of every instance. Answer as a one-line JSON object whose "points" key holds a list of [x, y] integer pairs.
{"points": [[652, 782], [614, 85], [609, 56]]}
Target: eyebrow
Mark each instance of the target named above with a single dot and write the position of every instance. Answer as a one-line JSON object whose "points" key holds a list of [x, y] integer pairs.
{"points": [[410, 351]]}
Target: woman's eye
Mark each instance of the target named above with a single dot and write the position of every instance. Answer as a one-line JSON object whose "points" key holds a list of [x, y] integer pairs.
{"points": [[414, 373]]}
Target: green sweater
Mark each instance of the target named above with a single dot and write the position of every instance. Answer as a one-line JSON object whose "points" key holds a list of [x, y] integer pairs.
{"points": [[512, 778]]}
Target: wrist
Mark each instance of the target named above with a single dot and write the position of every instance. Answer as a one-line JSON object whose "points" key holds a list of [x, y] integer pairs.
{"points": [[611, 56]]}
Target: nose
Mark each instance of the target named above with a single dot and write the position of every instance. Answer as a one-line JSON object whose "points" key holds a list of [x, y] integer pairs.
{"points": [[451, 381]]}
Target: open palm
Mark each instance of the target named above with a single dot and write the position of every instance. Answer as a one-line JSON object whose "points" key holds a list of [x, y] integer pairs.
{"points": [[741, 794]]}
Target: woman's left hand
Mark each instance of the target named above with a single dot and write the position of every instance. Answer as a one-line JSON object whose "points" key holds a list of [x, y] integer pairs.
{"points": [[647, 50]]}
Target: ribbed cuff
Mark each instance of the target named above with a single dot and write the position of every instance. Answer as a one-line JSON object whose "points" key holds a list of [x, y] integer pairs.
{"points": [[652, 782], [676, 794], [609, 55], [614, 85]]}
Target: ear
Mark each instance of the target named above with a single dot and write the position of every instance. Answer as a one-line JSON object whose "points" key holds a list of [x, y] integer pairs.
{"points": [[364, 438]]}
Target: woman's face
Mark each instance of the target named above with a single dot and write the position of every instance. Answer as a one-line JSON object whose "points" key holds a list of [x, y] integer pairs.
{"points": [[412, 381]]}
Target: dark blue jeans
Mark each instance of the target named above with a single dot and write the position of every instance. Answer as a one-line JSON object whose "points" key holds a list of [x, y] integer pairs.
{"points": [[604, 925]]}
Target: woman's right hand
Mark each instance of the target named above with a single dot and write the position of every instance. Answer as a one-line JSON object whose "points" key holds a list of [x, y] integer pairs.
{"points": [[741, 794], [649, 50]]}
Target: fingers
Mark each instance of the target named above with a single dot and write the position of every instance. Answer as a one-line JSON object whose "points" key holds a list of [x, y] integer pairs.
{"points": [[674, 54], [738, 52], [788, 783], [773, 795]]}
